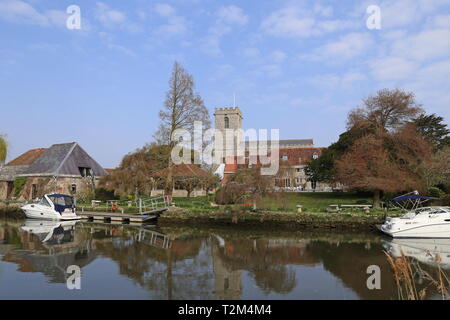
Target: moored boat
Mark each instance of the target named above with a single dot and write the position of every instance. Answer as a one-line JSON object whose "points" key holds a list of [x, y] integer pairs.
{"points": [[429, 222], [52, 207]]}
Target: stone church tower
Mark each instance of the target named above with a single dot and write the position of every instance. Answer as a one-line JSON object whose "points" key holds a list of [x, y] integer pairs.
{"points": [[227, 121]]}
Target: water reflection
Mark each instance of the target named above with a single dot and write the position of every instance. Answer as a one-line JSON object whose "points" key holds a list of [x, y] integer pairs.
{"points": [[423, 250], [186, 263]]}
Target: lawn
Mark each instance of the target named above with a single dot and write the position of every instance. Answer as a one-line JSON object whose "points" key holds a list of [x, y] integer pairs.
{"points": [[284, 202], [311, 202]]}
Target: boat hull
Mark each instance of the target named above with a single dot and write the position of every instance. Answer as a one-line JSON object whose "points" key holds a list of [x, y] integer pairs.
{"points": [[41, 214], [439, 230]]}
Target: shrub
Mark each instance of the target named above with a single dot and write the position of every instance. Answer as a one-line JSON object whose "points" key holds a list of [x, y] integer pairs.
{"points": [[19, 183], [446, 200], [104, 195], [362, 201], [435, 192], [232, 193]]}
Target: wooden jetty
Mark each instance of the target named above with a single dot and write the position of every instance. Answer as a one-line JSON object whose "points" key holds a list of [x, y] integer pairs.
{"points": [[149, 209], [121, 217]]}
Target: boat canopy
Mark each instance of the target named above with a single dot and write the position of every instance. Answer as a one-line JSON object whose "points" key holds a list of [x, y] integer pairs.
{"points": [[410, 201], [411, 197], [61, 201]]}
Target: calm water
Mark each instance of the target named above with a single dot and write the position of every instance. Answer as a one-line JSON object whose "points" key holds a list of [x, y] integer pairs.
{"points": [[133, 262]]}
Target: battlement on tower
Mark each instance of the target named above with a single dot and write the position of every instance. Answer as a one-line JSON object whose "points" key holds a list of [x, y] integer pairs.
{"points": [[228, 111]]}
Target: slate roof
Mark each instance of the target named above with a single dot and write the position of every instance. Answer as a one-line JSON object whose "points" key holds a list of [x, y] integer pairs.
{"points": [[63, 159], [59, 159], [9, 173]]}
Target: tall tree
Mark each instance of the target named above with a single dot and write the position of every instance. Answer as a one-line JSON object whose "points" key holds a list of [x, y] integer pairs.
{"points": [[3, 148], [133, 176], [433, 128], [323, 169], [387, 110], [389, 162], [436, 171], [182, 107]]}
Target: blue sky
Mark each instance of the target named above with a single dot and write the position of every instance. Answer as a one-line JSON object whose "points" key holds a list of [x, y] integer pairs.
{"points": [[299, 66]]}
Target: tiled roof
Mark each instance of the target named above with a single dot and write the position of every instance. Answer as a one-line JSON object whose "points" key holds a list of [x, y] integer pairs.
{"points": [[183, 170], [27, 158]]}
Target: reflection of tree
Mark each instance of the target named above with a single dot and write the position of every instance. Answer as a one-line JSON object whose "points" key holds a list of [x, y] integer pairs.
{"points": [[181, 272], [349, 262], [276, 278], [267, 261]]}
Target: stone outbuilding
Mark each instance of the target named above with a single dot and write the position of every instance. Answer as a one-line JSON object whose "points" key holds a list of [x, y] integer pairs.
{"points": [[62, 168]]}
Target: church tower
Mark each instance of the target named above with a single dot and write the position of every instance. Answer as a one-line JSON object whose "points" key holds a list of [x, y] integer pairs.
{"points": [[227, 121]]}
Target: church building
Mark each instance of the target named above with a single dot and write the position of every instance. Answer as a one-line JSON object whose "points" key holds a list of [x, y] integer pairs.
{"points": [[294, 154]]}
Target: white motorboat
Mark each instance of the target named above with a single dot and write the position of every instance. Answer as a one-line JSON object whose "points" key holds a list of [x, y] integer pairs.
{"points": [[430, 222], [52, 207]]}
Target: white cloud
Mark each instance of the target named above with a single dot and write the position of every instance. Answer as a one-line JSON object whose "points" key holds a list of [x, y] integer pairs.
{"points": [[337, 81], [251, 52], [164, 10], [277, 56], [302, 22], [109, 17], [390, 69], [175, 24], [232, 15], [399, 13], [429, 44], [18, 11], [227, 18], [346, 47]]}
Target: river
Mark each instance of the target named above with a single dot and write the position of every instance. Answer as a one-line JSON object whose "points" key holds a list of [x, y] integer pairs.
{"points": [[152, 262]]}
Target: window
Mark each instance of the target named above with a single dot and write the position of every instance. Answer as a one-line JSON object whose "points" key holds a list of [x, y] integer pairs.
{"points": [[44, 202], [315, 156], [227, 123], [85, 172], [285, 157], [73, 188], [299, 170]]}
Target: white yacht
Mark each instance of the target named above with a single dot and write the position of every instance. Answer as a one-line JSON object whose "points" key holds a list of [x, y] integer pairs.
{"points": [[52, 207], [430, 222]]}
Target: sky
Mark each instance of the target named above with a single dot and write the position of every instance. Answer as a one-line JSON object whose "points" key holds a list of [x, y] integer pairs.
{"points": [[298, 66]]}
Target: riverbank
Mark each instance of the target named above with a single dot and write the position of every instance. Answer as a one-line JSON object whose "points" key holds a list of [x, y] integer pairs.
{"points": [[271, 219], [11, 210]]}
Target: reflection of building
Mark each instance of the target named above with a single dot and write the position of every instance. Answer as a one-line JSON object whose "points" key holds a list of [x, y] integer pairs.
{"points": [[227, 282]]}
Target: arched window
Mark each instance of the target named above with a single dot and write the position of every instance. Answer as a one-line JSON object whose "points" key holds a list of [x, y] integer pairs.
{"points": [[227, 123]]}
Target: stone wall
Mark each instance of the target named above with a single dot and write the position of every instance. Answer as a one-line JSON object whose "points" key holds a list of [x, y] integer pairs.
{"points": [[45, 185]]}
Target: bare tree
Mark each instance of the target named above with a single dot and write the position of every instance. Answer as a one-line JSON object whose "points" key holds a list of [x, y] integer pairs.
{"points": [[387, 110], [182, 107]]}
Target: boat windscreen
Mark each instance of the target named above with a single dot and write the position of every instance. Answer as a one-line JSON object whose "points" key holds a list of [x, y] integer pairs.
{"points": [[66, 201]]}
